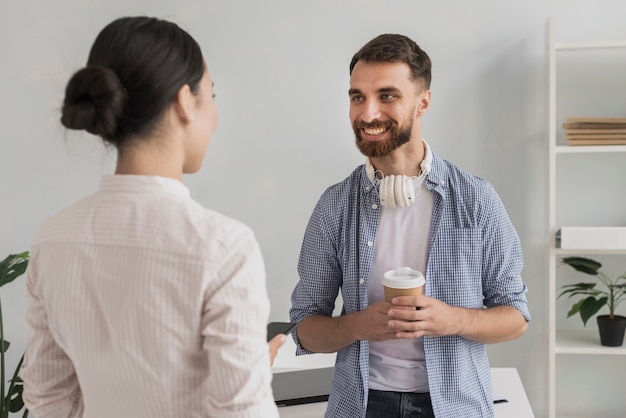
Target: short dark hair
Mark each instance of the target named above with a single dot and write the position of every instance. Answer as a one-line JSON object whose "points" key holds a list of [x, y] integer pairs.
{"points": [[135, 69], [396, 48]]}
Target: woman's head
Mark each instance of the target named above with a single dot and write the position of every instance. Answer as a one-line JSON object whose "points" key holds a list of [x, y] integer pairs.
{"points": [[135, 70]]}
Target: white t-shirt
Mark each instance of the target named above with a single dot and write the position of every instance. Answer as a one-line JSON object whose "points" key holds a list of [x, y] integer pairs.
{"points": [[402, 240]]}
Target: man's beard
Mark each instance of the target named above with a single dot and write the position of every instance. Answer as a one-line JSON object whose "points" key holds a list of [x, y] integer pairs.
{"points": [[398, 136]]}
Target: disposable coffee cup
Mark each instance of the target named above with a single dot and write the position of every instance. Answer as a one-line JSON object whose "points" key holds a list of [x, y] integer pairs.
{"points": [[403, 281]]}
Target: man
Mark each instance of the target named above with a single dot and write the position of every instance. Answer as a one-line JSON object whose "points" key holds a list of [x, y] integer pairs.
{"points": [[418, 356]]}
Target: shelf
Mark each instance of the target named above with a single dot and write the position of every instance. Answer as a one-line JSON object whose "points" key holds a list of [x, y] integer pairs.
{"points": [[584, 342], [572, 149], [561, 46], [564, 342], [561, 251]]}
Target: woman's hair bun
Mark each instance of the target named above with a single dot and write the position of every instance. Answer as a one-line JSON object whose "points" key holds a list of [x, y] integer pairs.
{"points": [[95, 101]]}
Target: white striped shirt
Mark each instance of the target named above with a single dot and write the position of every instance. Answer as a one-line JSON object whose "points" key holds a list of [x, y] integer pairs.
{"points": [[142, 303]]}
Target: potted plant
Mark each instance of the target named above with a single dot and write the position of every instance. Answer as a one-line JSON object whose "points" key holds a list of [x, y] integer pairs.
{"points": [[10, 391], [593, 299]]}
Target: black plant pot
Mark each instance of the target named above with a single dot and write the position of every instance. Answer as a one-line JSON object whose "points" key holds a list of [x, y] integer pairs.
{"points": [[611, 330]]}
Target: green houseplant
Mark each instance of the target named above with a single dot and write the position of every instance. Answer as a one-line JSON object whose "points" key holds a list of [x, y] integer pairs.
{"points": [[593, 299], [10, 391]]}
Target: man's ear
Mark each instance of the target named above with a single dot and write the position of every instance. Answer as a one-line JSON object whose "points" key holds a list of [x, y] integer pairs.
{"points": [[185, 103], [424, 102]]}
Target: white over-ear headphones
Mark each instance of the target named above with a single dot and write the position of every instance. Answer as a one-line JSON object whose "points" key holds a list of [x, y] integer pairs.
{"points": [[398, 191]]}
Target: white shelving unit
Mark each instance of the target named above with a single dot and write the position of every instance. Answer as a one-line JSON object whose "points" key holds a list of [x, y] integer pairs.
{"points": [[569, 342]]}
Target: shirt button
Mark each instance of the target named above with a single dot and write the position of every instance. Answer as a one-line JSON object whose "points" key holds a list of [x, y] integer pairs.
{"points": [[370, 243], [361, 281], [374, 206]]}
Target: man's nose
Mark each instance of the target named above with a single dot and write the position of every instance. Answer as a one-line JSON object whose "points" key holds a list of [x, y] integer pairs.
{"points": [[371, 112]]}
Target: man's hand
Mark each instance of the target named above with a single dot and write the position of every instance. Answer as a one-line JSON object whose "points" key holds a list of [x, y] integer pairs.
{"points": [[372, 323], [410, 317], [323, 334], [417, 316]]}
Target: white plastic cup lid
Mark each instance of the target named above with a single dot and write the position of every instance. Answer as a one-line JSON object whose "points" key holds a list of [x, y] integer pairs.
{"points": [[403, 278]]}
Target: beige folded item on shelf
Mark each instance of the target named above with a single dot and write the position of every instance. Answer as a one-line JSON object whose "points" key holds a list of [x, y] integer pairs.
{"points": [[573, 135], [595, 130], [600, 141], [605, 120], [594, 123], [603, 131]]}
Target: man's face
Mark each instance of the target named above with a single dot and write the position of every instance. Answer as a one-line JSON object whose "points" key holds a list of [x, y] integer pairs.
{"points": [[384, 103]]}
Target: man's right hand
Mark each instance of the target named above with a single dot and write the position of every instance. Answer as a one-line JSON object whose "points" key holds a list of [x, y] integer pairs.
{"points": [[370, 324], [323, 334]]}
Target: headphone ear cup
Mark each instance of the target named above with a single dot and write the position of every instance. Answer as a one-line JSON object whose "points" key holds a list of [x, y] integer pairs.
{"points": [[407, 197], [387, 190], [399, 191], [396, 191]]}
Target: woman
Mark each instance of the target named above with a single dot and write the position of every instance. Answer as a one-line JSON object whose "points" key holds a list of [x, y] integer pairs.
{"points": [[142, 303]]}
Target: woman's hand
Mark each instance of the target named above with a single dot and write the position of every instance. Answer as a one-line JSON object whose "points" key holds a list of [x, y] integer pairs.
{"points": [[275, 344]]}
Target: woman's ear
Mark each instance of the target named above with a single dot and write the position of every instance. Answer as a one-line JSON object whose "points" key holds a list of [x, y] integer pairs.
{"points": [[185, 103]]}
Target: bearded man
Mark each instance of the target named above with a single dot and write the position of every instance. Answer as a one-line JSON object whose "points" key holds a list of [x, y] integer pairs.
{"points": [[417, 356]]}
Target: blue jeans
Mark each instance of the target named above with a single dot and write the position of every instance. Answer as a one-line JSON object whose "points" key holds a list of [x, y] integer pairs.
{"points": [[382, 404]]}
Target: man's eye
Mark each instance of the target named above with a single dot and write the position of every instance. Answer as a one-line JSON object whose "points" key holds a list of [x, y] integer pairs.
{"points": [[387, 97], [357, 99]]}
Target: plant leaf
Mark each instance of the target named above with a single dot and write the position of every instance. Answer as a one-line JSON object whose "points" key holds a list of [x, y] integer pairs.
{"points": [[13, 401], [582, 264], [12, 267], [578, 288], [590, 307], [16, 403], [575, 308]]}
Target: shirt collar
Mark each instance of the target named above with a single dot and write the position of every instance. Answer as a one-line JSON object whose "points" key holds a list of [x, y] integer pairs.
{"points": [[129, 183]]}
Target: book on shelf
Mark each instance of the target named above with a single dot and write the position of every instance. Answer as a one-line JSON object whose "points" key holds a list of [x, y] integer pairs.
{"points": [[595, 130]]}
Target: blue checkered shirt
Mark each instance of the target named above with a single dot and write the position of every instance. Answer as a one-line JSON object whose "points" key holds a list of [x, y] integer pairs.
{"points": [[475, 261]]}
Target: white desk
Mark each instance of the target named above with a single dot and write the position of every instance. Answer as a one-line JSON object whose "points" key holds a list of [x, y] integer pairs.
{"points": [[506, 385]]}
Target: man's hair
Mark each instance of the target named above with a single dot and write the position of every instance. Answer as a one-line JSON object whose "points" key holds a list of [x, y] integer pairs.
{"points": [[396, 48]]}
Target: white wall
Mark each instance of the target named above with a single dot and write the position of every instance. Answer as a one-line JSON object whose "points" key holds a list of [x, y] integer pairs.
{"points": [[281, 74]]}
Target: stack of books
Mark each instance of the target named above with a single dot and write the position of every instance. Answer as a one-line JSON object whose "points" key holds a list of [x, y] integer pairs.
{"points": [[595, 131]]}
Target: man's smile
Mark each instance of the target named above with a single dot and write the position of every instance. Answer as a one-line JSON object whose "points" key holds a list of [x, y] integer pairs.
{"points": [[375, 131]]}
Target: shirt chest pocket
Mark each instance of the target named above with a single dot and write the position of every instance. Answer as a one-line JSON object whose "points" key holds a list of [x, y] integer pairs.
{"points": [[455, 267]]}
